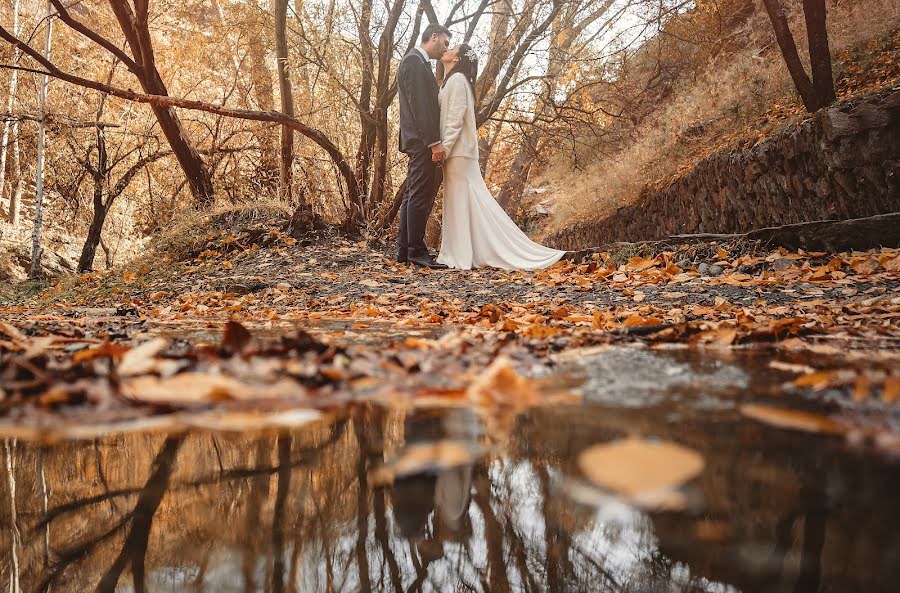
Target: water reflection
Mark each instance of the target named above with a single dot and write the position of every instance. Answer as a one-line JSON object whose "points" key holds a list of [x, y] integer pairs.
{"points": [[298, 511]]}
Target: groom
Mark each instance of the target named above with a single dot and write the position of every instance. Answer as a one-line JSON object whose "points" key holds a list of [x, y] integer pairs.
{"points": [[420, 139]]}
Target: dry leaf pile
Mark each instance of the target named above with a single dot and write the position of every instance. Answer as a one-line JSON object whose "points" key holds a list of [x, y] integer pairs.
{"points": [[76, 342]]}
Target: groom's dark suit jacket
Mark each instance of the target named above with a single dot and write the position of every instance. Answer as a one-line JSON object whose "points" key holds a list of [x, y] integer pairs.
{"points": [[420, 114]]}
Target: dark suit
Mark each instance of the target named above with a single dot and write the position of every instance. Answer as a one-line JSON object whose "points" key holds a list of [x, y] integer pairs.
{"points": [[419, 128]]}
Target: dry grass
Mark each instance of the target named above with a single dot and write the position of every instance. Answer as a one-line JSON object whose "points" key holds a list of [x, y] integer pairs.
{"points": [[192, 229], [744, 93]]}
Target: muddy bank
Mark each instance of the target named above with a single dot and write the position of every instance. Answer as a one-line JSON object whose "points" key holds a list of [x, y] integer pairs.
{"points": [[839, 164]]}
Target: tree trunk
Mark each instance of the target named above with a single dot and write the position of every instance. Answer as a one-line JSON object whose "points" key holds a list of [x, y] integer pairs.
{"points": [[137, 33], [39, 165], [366, 146], [785, 39], [819, 52], [198, 176], [510, 195], [86, 261], [11, 103], [101, 206], [15, 197], [286, 172]]}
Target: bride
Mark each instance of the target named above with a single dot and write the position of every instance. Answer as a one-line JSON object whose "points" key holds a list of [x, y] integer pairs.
{"points": [[476, 231]]}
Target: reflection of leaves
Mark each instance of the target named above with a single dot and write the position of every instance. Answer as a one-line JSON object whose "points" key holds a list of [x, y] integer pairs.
{"points": [[643, 472], [427, 457], [793, 419]]}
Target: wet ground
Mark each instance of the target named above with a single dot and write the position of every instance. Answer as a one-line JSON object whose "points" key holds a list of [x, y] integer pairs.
{"points": [[305, 508]]}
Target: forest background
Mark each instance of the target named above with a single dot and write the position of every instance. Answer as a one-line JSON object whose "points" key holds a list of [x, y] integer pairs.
{"points": [[287, 109]]}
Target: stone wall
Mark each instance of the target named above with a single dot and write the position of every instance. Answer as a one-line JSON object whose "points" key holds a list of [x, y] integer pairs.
{"points": [[841, 163]]}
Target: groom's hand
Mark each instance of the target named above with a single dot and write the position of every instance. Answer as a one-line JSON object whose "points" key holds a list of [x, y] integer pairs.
{"points": [[438, 153]]}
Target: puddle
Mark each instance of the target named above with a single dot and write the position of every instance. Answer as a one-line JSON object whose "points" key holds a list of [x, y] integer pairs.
{"points": [[335, 331], [299, 509]]}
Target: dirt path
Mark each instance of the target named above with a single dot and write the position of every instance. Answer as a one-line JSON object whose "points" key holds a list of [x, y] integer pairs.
{"points": [[361, 324]]}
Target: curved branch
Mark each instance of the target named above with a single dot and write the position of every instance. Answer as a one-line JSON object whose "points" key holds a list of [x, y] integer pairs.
{"points": [[166, 101], [111, 47]]}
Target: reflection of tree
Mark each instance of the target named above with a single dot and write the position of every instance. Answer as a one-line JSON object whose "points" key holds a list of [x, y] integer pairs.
{"points": [[141, 518], [134, 550], [296, 512], [284, 484]]}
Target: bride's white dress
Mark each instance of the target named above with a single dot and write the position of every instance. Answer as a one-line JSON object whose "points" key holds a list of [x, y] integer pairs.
{"points": [[476, 231]]}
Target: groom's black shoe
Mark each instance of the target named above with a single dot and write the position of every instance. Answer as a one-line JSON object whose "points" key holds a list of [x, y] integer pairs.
{"points": [[426, 261]]}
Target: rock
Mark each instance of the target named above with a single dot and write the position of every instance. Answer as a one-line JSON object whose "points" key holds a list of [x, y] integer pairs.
{"points": [[703, 268], [684, 263], [782, 264], [11, 271], [715, 270]]}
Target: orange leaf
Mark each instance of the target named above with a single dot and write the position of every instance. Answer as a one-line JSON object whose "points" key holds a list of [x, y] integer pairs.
{"points": [[636, 264]]}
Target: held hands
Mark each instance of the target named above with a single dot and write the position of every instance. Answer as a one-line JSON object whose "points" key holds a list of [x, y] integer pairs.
{"points": [[438, 153]]}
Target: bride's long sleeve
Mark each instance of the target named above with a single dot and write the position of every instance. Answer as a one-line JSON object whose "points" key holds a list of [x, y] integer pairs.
{"points": [[457, 104]]}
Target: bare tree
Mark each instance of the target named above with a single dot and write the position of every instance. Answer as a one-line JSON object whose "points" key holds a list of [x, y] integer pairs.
{"points": [[285, 179], [169, 104], [14, 125], [567, 28], [39, 165], [817, 91], [134, 22]]}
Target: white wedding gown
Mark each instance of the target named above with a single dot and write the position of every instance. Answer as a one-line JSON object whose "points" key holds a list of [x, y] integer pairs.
{"points": [[476, 231]]}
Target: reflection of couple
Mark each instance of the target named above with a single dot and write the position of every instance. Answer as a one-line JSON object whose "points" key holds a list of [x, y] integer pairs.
{"points": [[437, 130], [432, 507]]}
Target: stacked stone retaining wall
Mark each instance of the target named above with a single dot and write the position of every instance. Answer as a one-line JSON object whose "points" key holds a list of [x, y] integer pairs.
{"points": [[841, 163]]}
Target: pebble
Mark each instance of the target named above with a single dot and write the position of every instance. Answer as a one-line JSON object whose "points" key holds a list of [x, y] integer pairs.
{"points": [[703, 268], [715, 270]]}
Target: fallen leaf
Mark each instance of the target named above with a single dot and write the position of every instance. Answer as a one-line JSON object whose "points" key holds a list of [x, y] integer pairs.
{"points": [[723, 336], [636, 264], [141, 359], [500, 383], [12, 333], [891, 390], [235, 338], [185, 388]]}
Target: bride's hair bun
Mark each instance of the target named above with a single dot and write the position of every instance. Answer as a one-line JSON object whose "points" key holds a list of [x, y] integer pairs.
{"points": [[468, 63]]}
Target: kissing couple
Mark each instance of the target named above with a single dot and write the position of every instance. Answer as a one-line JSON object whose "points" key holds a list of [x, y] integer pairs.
{"points": [[437, 132]]}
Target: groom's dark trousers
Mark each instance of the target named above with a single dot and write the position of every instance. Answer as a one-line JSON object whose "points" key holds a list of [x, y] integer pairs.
{"points": [[419, 129]]}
